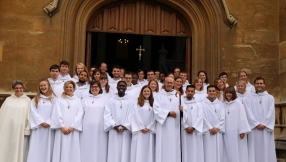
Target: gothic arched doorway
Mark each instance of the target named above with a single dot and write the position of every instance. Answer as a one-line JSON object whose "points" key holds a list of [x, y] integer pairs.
{"points": [[146, 23]]}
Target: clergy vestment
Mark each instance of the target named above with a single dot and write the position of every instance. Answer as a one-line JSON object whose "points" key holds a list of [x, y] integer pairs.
{"points": [[81, 91], [133, 92], [65, 77], [260, 109], [205, 87], [235, 148], [57, 87], [118, 111], [167, 145], [14, 125], [214, 116], [242, 97], [41, 139], [67, 112], [192, 144], [93, 139], [75, 78], [113, 84], [200, 95], [143, 144]]}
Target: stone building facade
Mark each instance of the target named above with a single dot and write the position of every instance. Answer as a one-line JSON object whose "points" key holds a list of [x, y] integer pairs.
{"points": [[226, 35]]}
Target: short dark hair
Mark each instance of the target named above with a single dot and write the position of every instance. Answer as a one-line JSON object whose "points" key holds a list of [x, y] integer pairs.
{"points": [[139, 70], [98, 84], [121, 81], [222, 74], [54, 66], [190, 86], [128, 73], [211, 86], [259, 78], [64, 62], [93, 66], [116, 67], [150, 70], [134, 74]]}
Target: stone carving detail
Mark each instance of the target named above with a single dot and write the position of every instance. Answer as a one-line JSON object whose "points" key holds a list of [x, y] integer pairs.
{"points": [[139, 17], [52, 7], [129, 17], [113, 19], [165, 22], [150, 15], [98, 22], [180, 27], [231, 21]]}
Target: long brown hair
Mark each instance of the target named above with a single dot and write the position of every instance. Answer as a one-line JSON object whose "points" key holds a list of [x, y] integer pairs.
{"points": [[197, 81], [217, 89], [107, 86], [95, 82], [81, 64], [154, 80], [141, 97], [50, 93], [181, 88]]}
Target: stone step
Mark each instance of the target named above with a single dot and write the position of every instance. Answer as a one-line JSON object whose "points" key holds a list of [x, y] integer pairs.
{"points": [[280, 160]]}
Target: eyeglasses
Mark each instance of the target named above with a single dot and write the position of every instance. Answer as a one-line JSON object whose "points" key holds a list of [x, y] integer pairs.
{"points": [[128, 78], [94, 86]]}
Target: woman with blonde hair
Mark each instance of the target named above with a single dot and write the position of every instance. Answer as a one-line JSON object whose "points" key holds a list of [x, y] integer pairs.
{"points": [[78, 68], [67, 122], [220, 87], [143, 128], [200, 94], [15, 125], [241, 90], [42, 136], [242, 75]]}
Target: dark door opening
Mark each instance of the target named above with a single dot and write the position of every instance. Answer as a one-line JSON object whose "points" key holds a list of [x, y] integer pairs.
{"points": [[120, 49]]}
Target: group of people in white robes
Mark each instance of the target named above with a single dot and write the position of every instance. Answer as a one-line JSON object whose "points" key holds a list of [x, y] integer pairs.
{"points": [[74, 119]]}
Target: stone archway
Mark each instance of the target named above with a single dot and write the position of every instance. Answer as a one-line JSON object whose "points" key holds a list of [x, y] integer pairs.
{"points": [[204, 17]]}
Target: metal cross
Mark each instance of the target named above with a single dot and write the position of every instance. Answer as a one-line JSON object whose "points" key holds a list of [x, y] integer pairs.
{"points": [[140, 49]]}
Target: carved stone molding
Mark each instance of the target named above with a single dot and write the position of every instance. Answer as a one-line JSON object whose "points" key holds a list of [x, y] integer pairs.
{"points": [[52, 7], [229, 19]]}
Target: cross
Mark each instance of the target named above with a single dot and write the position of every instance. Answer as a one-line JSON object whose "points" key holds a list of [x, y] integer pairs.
{"points": [[170, 99], [228, 113], [43, 102], [140, 49]]}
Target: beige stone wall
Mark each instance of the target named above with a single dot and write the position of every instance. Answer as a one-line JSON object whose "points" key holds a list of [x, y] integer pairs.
{"points": [[253, 43], [282, 47], [29, 42]]}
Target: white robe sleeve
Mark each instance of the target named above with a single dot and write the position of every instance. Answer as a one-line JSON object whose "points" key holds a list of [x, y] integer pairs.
{"points": [[28, 127], [207, 125], [243, 123], [221, 124], [136, 124], [127, 123], [108, 119], [199, 123], [57, 119], [185, 117], [77, 123], [250, 117], [269, 121], [36, 119], [159, 113]]}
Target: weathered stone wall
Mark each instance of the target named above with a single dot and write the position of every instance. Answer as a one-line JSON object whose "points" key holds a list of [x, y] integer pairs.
{"points": [[282, 47], [29, 42], [252, 44]]}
